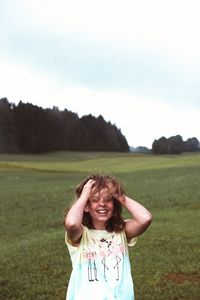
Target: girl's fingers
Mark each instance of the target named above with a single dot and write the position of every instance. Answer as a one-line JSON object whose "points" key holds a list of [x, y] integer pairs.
{"points": [[119, 197], [87, 187], [90, 182]]}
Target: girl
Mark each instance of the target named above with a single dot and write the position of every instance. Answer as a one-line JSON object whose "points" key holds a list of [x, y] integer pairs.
{"points": [[98, 238]]}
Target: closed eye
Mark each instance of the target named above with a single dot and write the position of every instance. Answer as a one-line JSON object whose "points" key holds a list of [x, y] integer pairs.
{"points": [[108, 200], [94, 200]]}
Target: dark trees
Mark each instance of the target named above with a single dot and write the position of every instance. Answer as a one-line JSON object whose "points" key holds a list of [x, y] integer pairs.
{"points": [[192, 145], [8, 142], [175, 145], [32, 129]]}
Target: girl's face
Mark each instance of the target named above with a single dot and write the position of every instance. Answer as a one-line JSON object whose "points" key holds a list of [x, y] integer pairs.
{"points": [[100, 206]]}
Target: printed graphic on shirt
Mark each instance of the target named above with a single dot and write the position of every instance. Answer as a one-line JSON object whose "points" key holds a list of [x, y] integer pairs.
{"points": [[102, 255], [101, 267]]}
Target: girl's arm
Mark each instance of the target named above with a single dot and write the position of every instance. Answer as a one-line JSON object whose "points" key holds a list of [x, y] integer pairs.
{"points": [[73, 220], [141, 217]]}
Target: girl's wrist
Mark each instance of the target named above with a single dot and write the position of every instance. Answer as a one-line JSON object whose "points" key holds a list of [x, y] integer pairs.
{"points": [[83, 198]]}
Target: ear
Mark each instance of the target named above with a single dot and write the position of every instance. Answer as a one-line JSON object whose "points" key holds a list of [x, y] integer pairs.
{"points": [[86, 208]]}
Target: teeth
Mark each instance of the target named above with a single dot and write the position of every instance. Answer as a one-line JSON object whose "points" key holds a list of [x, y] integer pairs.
{"points": [[102, 211]]}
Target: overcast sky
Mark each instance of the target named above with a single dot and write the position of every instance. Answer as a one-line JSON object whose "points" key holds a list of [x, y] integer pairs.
{"points": [[137, 63]]}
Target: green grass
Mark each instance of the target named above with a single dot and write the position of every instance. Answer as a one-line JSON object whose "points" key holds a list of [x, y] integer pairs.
{"points": [[35, 189]]}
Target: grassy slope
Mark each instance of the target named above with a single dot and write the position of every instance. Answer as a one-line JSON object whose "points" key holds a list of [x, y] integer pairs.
{"points": [[35, 189]]}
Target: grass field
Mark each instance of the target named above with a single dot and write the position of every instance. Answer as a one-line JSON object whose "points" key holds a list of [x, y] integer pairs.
{"points": [[35, 189]]}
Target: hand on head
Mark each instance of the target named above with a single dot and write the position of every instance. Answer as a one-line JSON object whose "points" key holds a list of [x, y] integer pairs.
{"points": [[119, 197], [87, 188]]}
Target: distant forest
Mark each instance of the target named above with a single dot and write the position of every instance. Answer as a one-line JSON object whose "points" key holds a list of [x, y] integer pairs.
{"points": [[26, 128], [175, 145]]}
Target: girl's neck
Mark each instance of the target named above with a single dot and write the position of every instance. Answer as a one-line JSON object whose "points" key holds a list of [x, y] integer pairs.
{"points": [[99, 226]]}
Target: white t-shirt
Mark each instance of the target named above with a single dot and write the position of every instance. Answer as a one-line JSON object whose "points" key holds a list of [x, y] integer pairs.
{"points": [[100, 267]]}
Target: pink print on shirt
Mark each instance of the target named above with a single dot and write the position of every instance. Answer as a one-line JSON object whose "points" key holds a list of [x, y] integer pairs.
{"points": [[102, 250]]}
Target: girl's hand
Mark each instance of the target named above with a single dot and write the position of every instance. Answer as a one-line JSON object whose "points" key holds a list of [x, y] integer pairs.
{"points": [[120, 198], [87, 188]]}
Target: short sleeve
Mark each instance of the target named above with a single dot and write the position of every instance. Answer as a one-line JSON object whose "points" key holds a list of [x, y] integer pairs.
{"points": [[73, 250], [69, 244], [68, 241], [132, 242]]}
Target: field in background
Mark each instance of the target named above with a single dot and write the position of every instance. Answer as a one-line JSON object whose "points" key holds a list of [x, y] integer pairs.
{"points": [[35, 189]]}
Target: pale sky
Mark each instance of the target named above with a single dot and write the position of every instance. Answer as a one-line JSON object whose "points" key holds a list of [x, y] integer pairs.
{"points": [[137, 63]]}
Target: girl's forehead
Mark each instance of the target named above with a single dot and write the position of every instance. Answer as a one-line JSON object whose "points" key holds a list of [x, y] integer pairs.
{"points": [[102, 192]]}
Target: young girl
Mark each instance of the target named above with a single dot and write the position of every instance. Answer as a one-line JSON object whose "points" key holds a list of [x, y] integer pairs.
{"points": [[98, 238]]}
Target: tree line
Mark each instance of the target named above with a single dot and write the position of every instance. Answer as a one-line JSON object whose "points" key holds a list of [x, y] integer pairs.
{"points": [[175, 145], [27, 128]]}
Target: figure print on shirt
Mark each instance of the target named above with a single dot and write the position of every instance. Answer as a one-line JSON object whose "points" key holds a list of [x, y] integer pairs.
{"points": [[101, 250], [92, 270]]}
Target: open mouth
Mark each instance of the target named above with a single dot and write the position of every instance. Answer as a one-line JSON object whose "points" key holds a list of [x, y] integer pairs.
{"points": [[102, 211]]}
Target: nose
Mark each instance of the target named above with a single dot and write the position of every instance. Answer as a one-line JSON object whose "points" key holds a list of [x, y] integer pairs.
{"points": [[101, 202]]}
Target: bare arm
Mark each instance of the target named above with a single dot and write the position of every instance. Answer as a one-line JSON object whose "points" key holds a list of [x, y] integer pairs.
{"points": [[141, 217], [73, 220]]}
